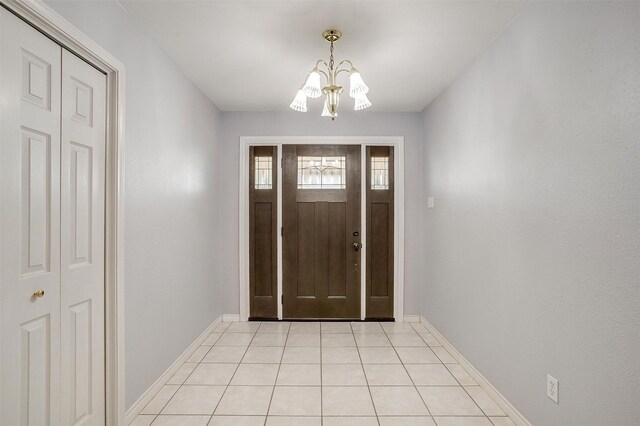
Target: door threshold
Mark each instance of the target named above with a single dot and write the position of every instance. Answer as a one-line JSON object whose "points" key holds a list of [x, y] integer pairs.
{"points": [[322, 319]]}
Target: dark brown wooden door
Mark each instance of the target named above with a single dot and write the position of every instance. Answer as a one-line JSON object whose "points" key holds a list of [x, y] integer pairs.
{"points": [[321, 231], [380, 193], [263, 232]]}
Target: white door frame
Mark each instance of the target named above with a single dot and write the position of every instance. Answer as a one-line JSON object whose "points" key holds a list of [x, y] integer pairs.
{"points": [[397, 142], [61, 31]]}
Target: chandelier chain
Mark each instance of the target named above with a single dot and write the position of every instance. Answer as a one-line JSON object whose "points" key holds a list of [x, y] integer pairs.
{"points": [[331, 56]]}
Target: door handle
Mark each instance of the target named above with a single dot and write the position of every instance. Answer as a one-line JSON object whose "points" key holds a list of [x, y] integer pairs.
{"points": [[356, 246], [38, 294]]}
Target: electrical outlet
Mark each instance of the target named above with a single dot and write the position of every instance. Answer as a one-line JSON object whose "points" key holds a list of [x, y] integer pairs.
{"points": [[552, 388], [430, 202]]}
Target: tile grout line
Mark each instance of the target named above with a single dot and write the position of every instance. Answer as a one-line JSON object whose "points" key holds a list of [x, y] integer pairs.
{"points": [[454, 377], [187, 378], [237, 366], [364, 372], [407, 371], [273, 391], [200, 362], [465, 390]]}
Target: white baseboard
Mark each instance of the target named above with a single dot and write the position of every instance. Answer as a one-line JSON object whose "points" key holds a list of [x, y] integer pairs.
{"points": [[230, 317], [412, 318], [502, 402], [144, 399]]}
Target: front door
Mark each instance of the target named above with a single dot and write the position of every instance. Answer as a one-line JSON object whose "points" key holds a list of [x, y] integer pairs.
{"points": [[321, 231]]}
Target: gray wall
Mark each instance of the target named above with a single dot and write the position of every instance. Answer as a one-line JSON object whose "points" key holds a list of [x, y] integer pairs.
{"points": [[236, 124], [533, 247], [171, 196]]}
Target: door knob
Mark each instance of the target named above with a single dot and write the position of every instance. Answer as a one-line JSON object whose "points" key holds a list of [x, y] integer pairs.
{"points": [[356, 246], [38, 293]]}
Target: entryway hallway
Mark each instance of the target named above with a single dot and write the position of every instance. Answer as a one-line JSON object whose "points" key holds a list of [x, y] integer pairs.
{"points": [[321, 373]]}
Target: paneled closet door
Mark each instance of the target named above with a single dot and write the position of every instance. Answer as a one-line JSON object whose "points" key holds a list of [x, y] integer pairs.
{"points": [[82, 241], [29, 225]]}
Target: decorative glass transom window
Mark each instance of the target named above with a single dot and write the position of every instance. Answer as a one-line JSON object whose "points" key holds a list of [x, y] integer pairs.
{"points": [[379, 173], [322, 172], [264, 176]]}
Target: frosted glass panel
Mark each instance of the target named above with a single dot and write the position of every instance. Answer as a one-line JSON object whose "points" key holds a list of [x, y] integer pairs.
{"points": [[379, 173], [263, 178], [322, 172]]}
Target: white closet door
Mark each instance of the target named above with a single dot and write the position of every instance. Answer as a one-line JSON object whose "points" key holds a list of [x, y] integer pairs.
{"points": [[29, 225], [82, 241]]}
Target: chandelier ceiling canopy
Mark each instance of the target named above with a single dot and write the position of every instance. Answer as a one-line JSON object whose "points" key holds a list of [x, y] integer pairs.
{"points": [[312, 87]]}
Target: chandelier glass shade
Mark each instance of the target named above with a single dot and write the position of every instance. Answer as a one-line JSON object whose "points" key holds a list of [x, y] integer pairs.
{"points": [[312, 87], [362, 102], [300, 102]]}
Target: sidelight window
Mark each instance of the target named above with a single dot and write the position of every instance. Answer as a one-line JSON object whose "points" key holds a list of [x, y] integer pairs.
{"points": [[322, 172], [379, 173], [264, 172]]}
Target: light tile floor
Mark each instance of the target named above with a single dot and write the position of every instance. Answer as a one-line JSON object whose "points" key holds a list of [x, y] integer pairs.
{"points": [[330, 374]]}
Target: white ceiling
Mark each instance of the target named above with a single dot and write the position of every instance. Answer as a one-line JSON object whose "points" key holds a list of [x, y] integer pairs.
{"points": [[254, 55]]}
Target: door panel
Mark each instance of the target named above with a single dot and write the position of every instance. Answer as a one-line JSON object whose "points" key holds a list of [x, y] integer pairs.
{"points": [[82, 241], [321, 213], [29, 225], [263, 269], [306, 231], [380, 196], [337, 249], [80, 359], [263, 231], [36, 202], [379, 247]]}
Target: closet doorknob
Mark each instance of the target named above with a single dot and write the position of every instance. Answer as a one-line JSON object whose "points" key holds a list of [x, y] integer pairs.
{"points": [[38, 293]]}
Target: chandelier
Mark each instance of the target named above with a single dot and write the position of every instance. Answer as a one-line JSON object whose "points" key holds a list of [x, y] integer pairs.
{"points": [[312, 89]]}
